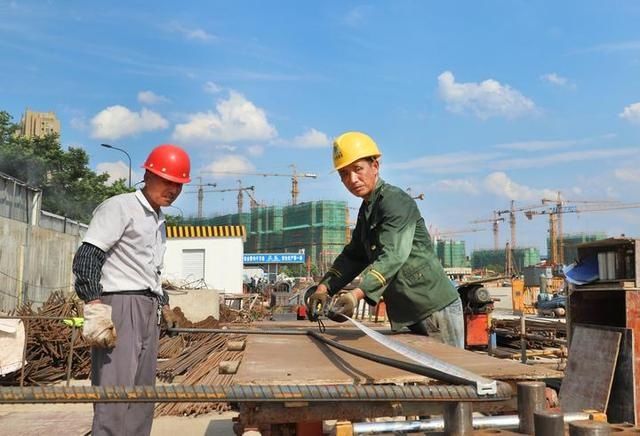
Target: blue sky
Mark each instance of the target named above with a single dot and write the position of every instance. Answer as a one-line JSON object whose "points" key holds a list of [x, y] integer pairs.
{"points": [[473, 104]]}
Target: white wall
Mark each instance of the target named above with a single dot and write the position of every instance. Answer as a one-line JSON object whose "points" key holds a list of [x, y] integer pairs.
{"points": [[222, 262]]}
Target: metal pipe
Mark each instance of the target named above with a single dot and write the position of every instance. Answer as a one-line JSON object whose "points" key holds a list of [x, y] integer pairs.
{"points": [[437, 424], [457, 419], [237, 393], [530, 400], [548, 423], [523, 340], [74, 333], [589, 428]]}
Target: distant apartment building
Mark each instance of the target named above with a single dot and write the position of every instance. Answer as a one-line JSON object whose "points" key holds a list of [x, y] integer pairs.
{"points": [[35, 124]]}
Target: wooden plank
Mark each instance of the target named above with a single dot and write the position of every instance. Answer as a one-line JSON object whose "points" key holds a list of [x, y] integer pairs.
{"points": [[590, 368], [621, 402], [273, 359]]}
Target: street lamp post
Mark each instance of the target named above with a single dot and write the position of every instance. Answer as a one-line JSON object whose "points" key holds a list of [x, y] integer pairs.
{"points": [[128, 157]]}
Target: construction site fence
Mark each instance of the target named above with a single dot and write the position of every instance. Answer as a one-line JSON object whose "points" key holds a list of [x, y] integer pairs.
{"points": [[34, 262], [62, 224], [19, 201]]}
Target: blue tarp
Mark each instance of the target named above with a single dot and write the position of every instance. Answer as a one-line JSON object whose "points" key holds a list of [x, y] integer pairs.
{"points": [[582, 272]]}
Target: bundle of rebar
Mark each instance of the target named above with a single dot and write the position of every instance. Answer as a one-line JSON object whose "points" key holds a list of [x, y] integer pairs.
{"points": [[194, 359], [546, 341], [198, 364], [48, 343]]}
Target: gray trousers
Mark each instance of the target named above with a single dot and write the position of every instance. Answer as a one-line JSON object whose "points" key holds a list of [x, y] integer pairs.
{"points": [[131, 362], [449, 320]]}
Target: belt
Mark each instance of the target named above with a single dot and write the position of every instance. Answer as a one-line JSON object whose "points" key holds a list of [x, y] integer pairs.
{"points": [[143, 292]]}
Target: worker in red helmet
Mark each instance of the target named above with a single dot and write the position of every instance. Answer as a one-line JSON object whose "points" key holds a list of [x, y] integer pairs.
{"points": [[117, 271]]}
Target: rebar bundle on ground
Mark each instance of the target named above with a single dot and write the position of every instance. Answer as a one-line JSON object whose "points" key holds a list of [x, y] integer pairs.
{"points": [[48, 343]]}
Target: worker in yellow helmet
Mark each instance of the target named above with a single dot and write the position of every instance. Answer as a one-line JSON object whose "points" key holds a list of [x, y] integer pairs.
{"points": [[391, 247]]}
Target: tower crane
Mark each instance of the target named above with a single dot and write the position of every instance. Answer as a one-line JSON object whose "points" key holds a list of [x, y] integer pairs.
{"points": [[442, 234], [253, 203], [555, 221], [201, 192], [494, 224], [555, 212], [295, 175], [512, 218]]}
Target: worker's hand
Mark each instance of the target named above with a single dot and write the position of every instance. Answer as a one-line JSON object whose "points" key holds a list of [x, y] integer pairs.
{"points": [[316, 302], [98, 328], [344, 303], [170, 318]]}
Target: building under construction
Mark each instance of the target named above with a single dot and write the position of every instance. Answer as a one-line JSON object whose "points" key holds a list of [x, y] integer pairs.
{"points": [[318, 228], [452, 254], [570, 244], [496, 259]]}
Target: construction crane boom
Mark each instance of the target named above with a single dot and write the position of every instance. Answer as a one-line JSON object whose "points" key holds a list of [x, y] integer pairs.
{"points": [[295, 175], [443, 234], [494, 221], [512, 218], [202, 191], [556, 211]]}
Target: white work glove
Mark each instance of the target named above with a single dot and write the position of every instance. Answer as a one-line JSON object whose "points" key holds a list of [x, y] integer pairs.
{"points": [[98, 328]]}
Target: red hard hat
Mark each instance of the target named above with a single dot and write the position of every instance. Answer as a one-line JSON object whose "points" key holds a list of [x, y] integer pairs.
{"points": [[169, 162]]}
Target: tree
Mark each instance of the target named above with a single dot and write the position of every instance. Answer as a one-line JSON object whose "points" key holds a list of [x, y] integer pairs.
{"points": [[70, 188]]}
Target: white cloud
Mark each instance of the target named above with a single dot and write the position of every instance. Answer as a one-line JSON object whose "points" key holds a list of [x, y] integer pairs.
{"points": [[485, 100], [231, 163], [631, 113], [118, 170], [236, 119], [312, 138], [226, 147], [455, 185], [448, 162], [500, 184], [255, 150], [632, 45], [537, 145], [151, 98], [212, 88], [118, 121], [628, 174], [191, 33], [557, 80], [547, 160]]}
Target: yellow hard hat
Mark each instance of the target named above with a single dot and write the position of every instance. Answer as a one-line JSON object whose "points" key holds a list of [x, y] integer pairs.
{"points": [[351, 146]]}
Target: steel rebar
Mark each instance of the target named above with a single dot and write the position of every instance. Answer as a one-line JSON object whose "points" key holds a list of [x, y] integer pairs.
{"points": [[236, 393]]}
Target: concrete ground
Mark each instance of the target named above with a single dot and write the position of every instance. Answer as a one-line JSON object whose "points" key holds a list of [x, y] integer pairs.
{"points": [[75, 420]]}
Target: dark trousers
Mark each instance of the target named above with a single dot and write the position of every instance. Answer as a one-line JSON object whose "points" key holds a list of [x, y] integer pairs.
{"points": [[131, 362]]}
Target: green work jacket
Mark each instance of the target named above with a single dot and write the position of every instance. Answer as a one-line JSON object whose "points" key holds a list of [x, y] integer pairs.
{"points": [[391, 245]]}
